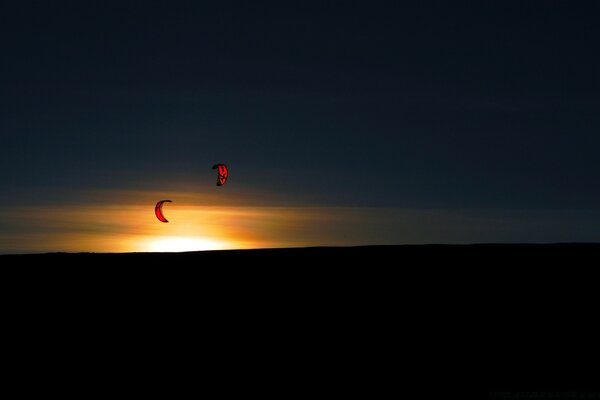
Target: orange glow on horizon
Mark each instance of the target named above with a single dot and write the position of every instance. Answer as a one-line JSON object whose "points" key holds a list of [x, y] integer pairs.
{"points": [[133, 228], [129, 224], [179, 244]]}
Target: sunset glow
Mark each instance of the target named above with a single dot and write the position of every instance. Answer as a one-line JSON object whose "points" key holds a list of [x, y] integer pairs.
{"points": [[167, 127], [179, 244], [117, 221]]}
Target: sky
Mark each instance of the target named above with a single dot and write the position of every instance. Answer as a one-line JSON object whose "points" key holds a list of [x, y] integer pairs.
{"points": [[342, 123]]}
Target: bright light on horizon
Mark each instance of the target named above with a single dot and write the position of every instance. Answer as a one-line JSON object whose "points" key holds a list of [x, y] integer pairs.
{"points": [[133, 227], [180, 244]]}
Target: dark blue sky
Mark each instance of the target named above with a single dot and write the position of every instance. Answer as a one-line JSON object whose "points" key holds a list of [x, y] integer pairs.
{"points": [[397, 104]]}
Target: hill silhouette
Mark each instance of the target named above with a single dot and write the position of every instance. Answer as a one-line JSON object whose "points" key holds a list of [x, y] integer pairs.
{"points": [[458, 317], [490, 252]]}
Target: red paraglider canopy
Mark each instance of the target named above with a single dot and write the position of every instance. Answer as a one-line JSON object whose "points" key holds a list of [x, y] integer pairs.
{"points": [[223, 173], [158, 210]]}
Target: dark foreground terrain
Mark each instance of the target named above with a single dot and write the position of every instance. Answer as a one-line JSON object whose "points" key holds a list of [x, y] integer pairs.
{"points": [[324, 256], [424, 322]]}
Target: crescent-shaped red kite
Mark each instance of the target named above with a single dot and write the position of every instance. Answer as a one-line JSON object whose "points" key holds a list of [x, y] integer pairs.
{"points": [[158, 210]]}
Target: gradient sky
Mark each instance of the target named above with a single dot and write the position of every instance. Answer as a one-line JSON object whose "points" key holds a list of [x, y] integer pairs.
{"points": [[343, 122]]}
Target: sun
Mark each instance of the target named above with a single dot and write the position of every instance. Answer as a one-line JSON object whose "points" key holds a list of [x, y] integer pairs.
{"points": [[179, 244]]}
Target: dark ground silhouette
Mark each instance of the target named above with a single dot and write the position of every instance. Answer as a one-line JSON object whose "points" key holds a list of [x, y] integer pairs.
{"points": [[426, 322], [396, 255]]}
